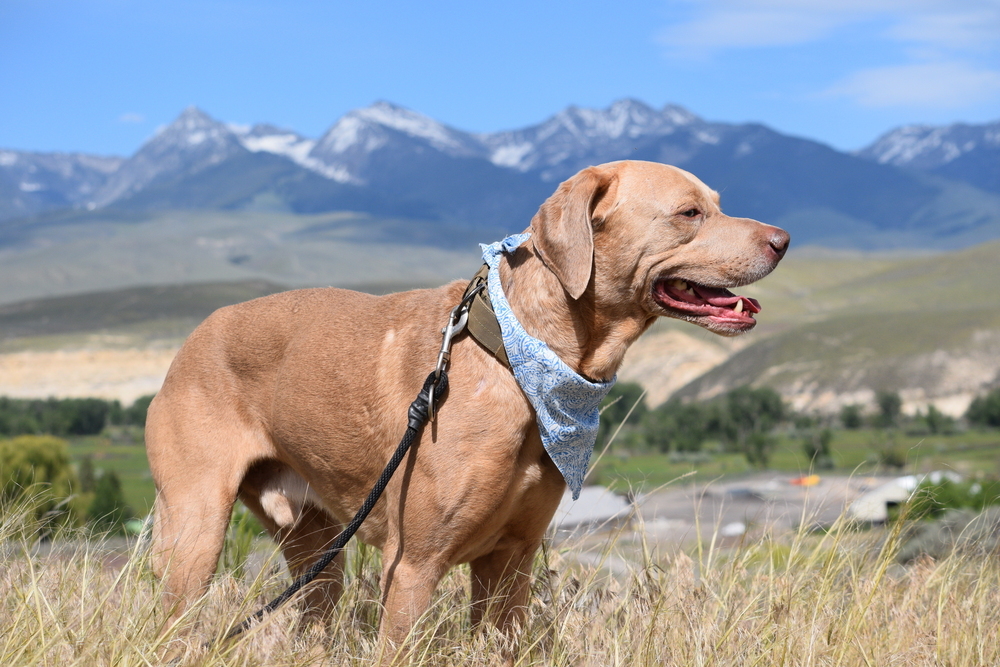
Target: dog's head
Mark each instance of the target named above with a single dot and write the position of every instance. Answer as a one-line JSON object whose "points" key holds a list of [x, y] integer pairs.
{"points": [[650, 236]]}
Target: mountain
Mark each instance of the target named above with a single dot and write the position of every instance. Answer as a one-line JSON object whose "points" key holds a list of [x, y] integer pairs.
{"points": [[388, 161], [969, 153], [34, 182]]}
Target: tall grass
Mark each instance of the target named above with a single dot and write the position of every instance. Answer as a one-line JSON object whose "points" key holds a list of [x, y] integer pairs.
{"points": [[837, 598]]}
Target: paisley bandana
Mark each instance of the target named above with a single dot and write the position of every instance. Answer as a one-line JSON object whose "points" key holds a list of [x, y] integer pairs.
{"points": [[566, 404]]}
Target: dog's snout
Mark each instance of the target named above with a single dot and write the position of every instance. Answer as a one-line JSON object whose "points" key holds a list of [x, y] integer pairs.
{"points": [[778, 241]]}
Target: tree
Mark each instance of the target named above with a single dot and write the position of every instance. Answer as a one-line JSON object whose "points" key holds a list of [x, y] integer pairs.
{"points": [[37, 469], [748, 417], [677, 426], [817, 448], [622, 398], [108, 511], [985, 410], [135, 414], [850, 416], [889, 405], [937, 421]]}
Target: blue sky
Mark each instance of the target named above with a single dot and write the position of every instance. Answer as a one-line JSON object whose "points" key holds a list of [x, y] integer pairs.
{"points": [[101, 75]]}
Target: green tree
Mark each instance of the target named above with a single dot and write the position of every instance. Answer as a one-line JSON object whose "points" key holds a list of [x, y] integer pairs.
{"points": [[622, 398], [816, 446], [108, 511], [889, 406], [135, 414], [38, 468], [850, 416], [679, 427], [937, 421], [747, 418], [985, 410]]}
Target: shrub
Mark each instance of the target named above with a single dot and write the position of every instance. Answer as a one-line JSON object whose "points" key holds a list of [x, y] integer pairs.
{"points": [[850, 416], [108, 511], [623, 397], [985, 410], [39, 467], [678, 427], [889, 405], [746, 419]]}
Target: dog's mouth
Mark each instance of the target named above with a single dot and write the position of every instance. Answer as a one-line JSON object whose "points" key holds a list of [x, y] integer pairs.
{"points": [[714, 307]]}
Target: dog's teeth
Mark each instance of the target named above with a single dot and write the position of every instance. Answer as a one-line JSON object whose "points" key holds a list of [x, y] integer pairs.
{"points": [[690, 291], [679, 284], [739, 306]]}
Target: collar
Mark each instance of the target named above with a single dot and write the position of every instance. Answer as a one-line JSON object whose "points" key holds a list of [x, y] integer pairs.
{"points": [[566, 404]]}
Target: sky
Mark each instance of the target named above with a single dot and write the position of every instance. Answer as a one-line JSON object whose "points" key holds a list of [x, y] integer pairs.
{"points": [[99, 76]]}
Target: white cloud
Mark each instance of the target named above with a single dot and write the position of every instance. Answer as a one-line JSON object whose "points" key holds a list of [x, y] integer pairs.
{"points": [[932, 85], [726, 24], [132, 118]]}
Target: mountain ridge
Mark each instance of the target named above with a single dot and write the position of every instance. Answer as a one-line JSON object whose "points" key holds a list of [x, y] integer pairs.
{"points": [[385, 159]]}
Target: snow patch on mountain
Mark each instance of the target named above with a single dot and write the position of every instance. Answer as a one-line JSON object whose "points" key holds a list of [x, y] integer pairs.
{"points": [[928, 147]]}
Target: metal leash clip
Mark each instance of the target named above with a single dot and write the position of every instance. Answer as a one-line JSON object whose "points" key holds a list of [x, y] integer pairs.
{"points": [[456, 325]]}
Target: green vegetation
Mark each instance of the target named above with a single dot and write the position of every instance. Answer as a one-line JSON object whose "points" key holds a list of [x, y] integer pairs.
{"points": [[748, 428], [38, 465], [985, 410], [68, 416]]}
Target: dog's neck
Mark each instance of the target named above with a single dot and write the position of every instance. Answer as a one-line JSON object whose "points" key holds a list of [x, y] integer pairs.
{"points": [[589, 337]]}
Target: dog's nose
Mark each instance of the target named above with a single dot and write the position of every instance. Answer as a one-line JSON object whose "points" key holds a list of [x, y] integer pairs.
{"points": [[779, 242]]}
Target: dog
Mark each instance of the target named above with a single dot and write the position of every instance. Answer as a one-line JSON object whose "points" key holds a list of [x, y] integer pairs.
{"points": [[294, 402]]}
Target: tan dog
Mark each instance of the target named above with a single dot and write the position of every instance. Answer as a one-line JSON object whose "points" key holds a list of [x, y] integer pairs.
{"points": [[294, 402]]}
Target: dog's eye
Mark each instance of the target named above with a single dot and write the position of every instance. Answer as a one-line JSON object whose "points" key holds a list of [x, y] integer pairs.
{"points": [[691, 213]]}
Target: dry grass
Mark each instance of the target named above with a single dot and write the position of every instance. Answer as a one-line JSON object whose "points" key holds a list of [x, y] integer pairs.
{"points": [[802, 599]]}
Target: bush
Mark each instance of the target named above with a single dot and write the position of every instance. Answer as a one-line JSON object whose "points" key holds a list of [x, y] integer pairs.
{"points": [[816, 446], [890, 406], [746, 420], [985, 410], [850, 416], [932, 499], [622, 398], [108, 511], [678, 427], [39, 467]]}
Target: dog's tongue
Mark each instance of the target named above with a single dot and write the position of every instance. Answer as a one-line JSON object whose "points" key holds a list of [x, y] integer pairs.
{"points": [[723, 298]]}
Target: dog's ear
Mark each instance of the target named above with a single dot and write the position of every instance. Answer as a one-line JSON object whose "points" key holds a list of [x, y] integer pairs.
{"points": [[563, 229]]}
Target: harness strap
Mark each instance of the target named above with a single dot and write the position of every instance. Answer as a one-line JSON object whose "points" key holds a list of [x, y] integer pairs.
{"points": [[483, 324]]}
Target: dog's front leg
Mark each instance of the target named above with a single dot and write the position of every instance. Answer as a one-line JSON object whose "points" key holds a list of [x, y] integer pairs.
{"points": [[501, 584]]}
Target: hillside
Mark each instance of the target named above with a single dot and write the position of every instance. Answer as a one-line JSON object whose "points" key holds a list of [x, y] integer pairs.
{"points": [[836, 330], [80, 252], [836, 327]]}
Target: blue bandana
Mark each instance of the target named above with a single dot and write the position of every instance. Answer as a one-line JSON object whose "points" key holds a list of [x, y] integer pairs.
{"points": [[565, 403]]}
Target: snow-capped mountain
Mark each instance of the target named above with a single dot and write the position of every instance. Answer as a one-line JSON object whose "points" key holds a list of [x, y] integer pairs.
{"points": [[966, 152], [192, 143], [391, 161], [30, 182], [575, 136]]}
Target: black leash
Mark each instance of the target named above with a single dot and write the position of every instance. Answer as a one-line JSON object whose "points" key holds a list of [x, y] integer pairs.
{"points": [[421, 410]]}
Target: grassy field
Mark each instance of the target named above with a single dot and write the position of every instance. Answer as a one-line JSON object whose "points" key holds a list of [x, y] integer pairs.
{"points": [[853, 452], [856, 452], [838, 598]]}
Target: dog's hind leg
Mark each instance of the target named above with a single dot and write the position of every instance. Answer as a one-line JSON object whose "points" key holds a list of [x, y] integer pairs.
{"points": [[197, 463], [291, 513], [188, 533]]}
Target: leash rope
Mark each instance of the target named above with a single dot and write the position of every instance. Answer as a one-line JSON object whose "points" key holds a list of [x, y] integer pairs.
{"points": [[420, 411]]}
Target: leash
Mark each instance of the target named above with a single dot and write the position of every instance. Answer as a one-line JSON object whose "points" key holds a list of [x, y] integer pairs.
{"points": [[421, 410]]}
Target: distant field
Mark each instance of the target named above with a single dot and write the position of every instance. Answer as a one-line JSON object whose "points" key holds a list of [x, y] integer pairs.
{"points": [[853, 452]]}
